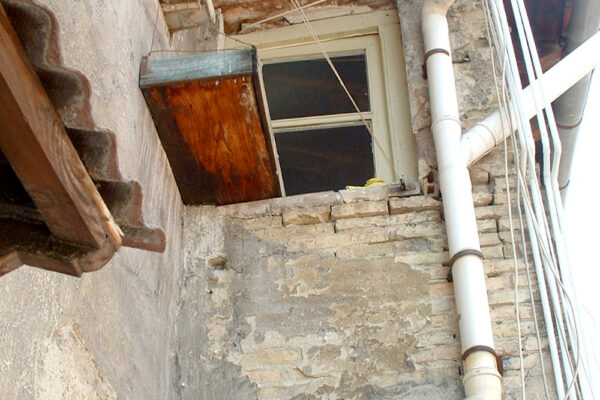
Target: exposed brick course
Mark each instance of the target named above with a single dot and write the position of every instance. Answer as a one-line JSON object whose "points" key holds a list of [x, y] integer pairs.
{"points": [[415, 203], [359, 209], [306, 215], [385, 220], [479, 176], [482, 198], [376, 193]]}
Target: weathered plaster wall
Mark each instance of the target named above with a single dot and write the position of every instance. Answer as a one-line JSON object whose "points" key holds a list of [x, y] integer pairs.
{"points": [[337, 296], [106, 335], [342, 295]]}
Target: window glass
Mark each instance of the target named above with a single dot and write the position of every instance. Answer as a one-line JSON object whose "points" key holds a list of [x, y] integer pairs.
{"points": [[310, 88], [320, 159]]}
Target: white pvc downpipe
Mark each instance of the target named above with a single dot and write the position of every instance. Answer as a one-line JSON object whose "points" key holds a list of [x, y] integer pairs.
{"points": [[489, 133], [481, 380], [568, 109], [211, 11]]}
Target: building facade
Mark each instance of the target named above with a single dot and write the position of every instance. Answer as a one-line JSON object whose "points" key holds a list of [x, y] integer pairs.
{"points": [[323, 295]]}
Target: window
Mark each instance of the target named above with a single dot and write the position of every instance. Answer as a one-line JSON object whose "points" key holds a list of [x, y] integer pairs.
{"points": [[321, 140]]}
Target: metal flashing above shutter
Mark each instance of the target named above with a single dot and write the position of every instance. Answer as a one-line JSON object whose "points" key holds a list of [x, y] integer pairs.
{"points": [[209, 115]]}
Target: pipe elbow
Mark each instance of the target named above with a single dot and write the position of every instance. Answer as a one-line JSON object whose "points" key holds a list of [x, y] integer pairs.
{"points": [[436, 7]]}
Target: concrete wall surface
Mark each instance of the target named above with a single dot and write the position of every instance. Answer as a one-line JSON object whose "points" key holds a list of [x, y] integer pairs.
{"points": [[107, 334]]}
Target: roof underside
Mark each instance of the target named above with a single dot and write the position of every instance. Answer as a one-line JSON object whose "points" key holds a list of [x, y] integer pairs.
{"points": [[27, 234], [239, 12], [549, 18]]}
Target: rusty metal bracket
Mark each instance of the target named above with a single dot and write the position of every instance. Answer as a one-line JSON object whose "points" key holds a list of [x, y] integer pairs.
{"points": [[465, 252], [498, 357], [456, 256], [429, 54]]}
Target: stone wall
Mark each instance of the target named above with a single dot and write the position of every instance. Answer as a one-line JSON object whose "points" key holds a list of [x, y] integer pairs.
{"points": [[105, 335], [342, 295]]}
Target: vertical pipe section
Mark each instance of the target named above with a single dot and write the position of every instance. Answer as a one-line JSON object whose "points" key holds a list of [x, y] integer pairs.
{"points": [[211, 11], [569, 108], [481, 380]]}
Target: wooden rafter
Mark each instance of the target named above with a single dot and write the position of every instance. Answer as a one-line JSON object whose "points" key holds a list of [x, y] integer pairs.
{"points": [[35, 143]]}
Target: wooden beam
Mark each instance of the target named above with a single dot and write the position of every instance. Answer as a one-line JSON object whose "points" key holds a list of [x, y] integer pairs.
{"points": [[219, 64], [211, 124], [9, 262], [35, 143], [33, 244]]}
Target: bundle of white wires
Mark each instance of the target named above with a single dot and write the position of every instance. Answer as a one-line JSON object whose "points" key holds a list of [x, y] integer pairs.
{"points": [[539, 205]]}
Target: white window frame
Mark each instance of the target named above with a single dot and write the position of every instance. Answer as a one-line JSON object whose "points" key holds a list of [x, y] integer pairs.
{"points": [[375, 34]]}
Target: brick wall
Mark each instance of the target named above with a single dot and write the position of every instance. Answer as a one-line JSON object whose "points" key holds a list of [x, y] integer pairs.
{"points": [[345, 295]]}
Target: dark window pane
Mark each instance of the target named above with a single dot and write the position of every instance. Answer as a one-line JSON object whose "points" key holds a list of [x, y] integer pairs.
{"points": [[308, 88], [325, 159]]}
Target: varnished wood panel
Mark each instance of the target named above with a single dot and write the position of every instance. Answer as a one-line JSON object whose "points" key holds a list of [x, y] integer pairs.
{"points": [[212, 133]]}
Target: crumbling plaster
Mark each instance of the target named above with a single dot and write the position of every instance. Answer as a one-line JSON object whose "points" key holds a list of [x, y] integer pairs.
{"points": [[342, 295], [106, 334], [254, 309]]}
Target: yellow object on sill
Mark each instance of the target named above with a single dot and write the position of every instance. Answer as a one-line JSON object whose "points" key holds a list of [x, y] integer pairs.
{"points": [[370, 183]]}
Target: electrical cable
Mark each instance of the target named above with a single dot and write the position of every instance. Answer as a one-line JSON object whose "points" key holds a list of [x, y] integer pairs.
{"points": [[551, 181], [547, 247], [552, 188], [528, 53], [516, 267]]}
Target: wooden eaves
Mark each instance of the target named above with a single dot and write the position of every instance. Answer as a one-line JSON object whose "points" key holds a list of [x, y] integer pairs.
{"points": [[68, 227]]}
